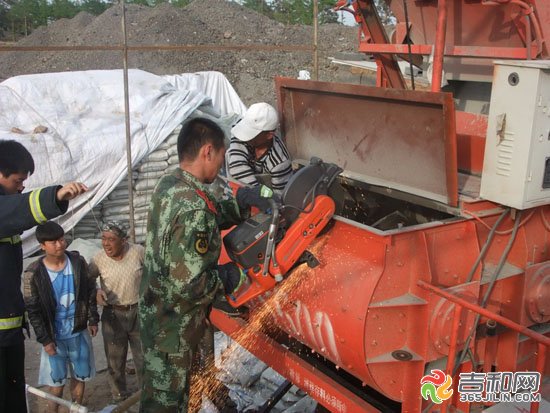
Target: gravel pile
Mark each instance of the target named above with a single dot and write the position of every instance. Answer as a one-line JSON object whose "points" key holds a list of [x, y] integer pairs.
{"points": [[201, 22]]}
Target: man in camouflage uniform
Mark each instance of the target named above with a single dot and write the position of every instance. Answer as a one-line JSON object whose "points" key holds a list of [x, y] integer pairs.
{"points": [[181, 275]]}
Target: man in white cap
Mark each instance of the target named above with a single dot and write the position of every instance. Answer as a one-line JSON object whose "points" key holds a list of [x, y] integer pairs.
{"points": [[255, 149]]}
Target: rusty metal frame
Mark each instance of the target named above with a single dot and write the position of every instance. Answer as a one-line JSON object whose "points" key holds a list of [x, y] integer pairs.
{"points": [[376, 42], [387, 63], [543, 342], [161, 47], [450, 50], [319, 386]]}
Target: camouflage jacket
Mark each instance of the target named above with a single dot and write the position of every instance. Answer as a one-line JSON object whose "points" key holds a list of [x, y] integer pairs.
{"points": [[180, 277]]}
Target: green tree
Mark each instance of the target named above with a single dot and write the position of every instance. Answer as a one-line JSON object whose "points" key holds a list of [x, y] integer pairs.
{"points": [[25, 15], [4, 22], [95, 7], [261, 6], [180, 3], [301, 11], [63, 9], [140, 2]]}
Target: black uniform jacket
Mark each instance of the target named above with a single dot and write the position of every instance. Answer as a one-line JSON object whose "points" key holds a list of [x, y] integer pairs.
{"points": [[18, 213]]}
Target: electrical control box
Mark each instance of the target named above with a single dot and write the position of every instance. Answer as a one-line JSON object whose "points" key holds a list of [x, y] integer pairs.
{"points": [[516, 166]]}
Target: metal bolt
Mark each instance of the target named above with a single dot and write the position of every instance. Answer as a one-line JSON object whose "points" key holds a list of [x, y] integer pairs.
{"points": [[374, 343]]}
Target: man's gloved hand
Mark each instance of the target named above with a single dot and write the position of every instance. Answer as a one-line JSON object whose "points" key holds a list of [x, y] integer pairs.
{"points": [[257, 196], [231, 276]]}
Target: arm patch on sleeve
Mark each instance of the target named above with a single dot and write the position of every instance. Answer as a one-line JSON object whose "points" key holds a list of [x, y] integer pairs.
{"points": [[201, 242]]}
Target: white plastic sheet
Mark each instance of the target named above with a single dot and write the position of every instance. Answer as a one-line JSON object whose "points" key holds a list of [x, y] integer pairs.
{"points": [[84, 116], [212, 84]]}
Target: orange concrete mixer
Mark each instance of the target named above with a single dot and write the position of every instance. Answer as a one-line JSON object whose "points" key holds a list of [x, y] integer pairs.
{"points": [[437, 256]]}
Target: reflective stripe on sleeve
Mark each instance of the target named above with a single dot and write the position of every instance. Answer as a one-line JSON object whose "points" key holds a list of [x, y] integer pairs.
{"points": [[34, 201], [10, 323], [16, 239]]}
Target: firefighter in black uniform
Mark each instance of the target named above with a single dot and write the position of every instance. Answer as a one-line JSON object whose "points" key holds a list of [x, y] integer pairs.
{"points": [[19, 212]]}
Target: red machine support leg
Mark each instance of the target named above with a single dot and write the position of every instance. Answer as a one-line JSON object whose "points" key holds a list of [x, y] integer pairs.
{"points": [[541, 361], [439, 51], [452, 351]]}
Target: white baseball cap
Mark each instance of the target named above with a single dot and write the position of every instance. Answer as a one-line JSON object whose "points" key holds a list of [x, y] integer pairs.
{"points": [[258, 118]]}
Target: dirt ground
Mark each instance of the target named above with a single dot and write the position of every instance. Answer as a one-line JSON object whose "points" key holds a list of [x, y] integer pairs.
{"points": [[97, 395]]}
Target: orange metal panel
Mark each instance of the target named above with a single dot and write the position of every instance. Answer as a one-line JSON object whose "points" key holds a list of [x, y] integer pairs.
{"points": [[471, 130]]}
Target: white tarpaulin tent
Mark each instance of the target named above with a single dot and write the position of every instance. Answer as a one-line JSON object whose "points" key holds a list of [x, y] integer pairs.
{"points": [[84, 115]]}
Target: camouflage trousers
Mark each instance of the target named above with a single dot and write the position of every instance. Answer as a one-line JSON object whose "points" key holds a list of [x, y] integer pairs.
{"points": [[166, 380]]}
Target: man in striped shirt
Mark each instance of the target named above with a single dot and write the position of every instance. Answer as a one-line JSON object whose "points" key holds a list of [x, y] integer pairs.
{"points": [[255, 149]]}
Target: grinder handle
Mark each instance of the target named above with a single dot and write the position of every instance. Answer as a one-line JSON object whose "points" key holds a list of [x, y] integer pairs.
{"points": [[270, 247]]}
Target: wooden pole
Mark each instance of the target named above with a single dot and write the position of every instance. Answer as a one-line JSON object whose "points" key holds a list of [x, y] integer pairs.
{"points": [[127, 121], [315, 40]]}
